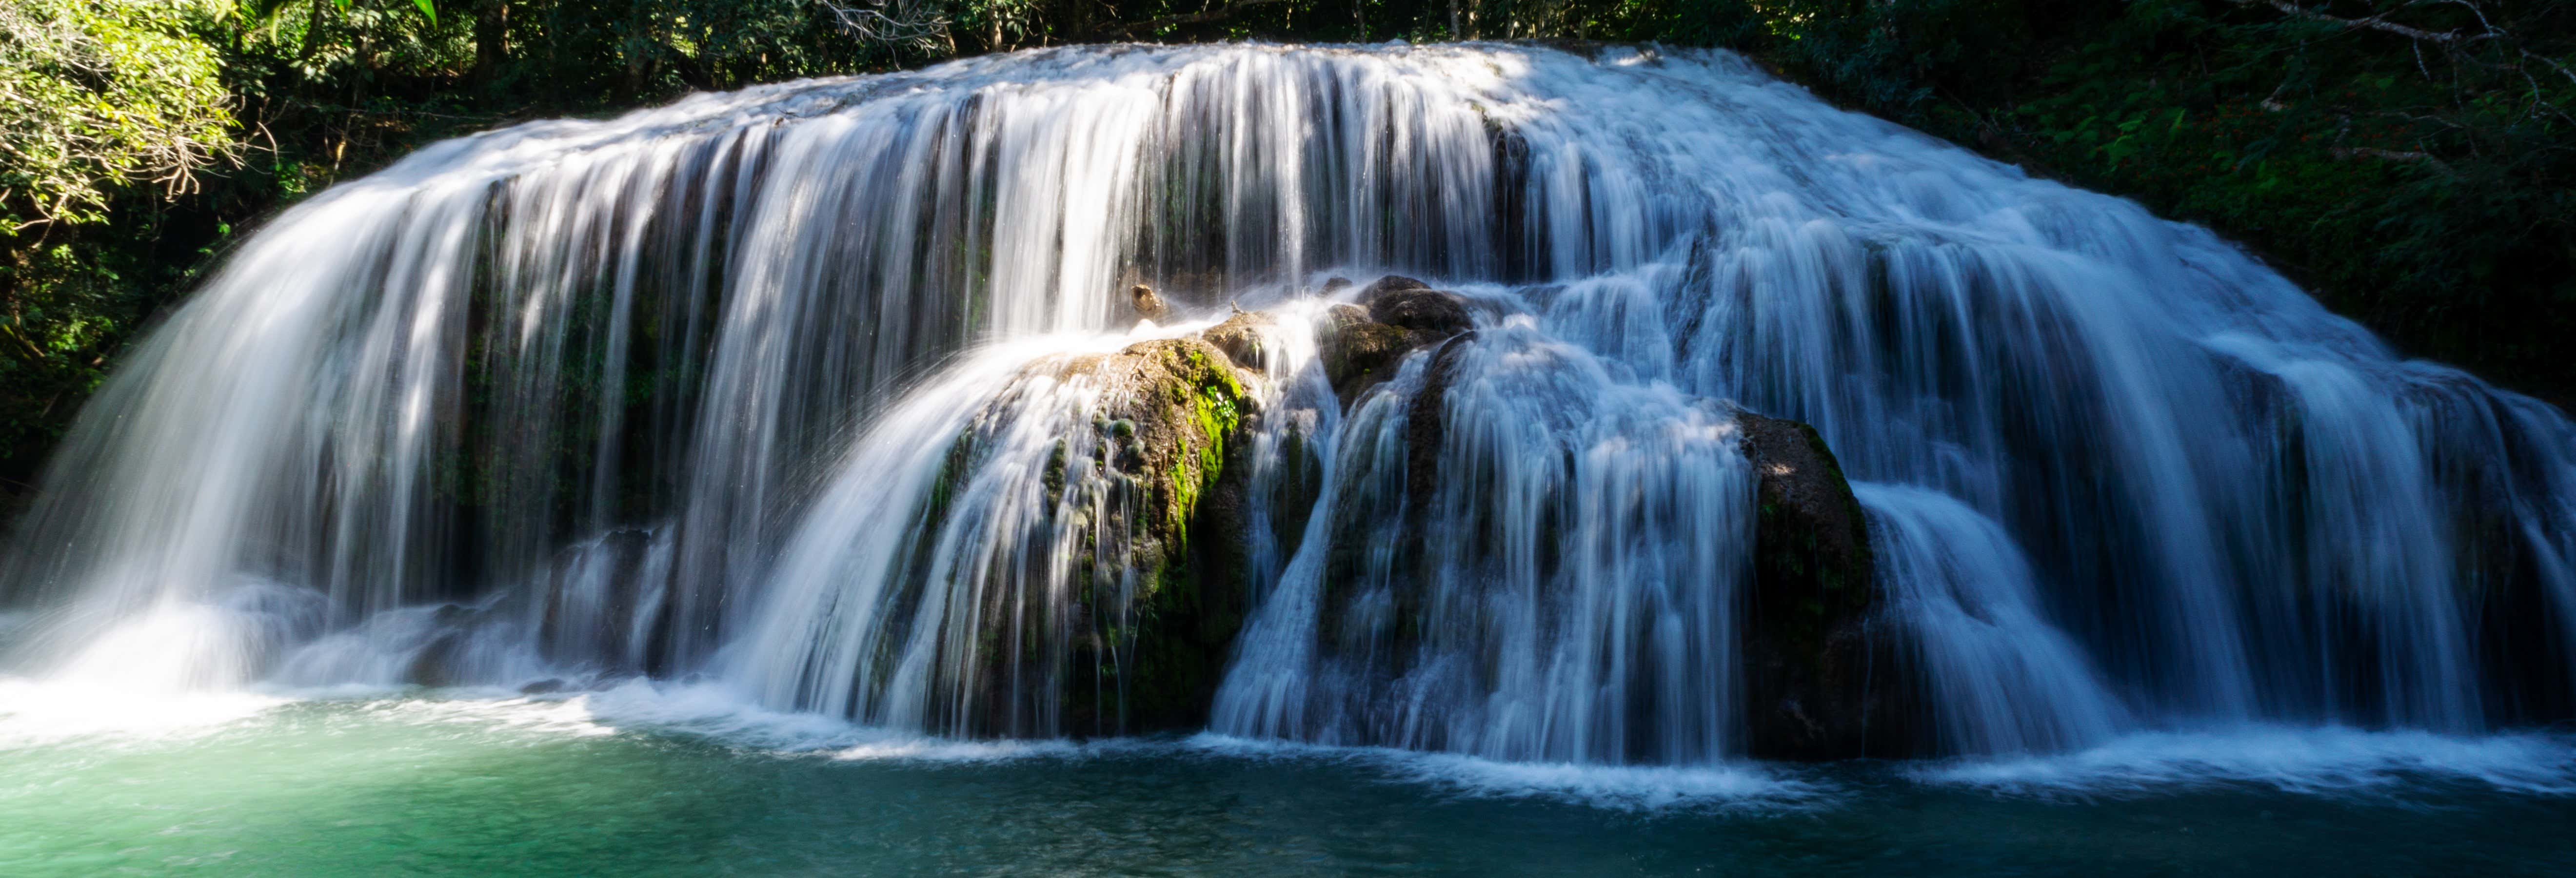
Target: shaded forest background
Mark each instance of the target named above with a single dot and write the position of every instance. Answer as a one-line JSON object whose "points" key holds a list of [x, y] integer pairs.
{"points": [[2408, 160]]}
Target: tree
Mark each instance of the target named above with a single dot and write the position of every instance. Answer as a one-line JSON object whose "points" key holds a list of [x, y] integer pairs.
{"points": [[100, 94]]}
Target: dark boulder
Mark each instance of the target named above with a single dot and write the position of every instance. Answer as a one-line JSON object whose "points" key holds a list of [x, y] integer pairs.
{"points": [[1426, 420], [1148, 305], [1358, 352], [441, 651], [595, 586], [1821, 678], [1362, 346], [1390, 284], [1820, 682], [1430, 312]]}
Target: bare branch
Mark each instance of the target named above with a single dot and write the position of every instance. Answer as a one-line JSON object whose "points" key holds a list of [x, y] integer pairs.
{"points": [[2375, 22], [908, 23], [2391, 155], [2529, 55]]}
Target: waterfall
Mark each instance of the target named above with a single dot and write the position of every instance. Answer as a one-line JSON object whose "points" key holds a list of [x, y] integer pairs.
{"points": [[1568, 566], [833, 392], [2006, 680]]}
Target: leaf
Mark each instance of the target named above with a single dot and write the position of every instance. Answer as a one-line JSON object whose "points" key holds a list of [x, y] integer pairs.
{"points": [[428, 8]]}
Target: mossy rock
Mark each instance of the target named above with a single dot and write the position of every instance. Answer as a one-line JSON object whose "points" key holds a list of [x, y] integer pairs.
{"points": [[1176, 411]]}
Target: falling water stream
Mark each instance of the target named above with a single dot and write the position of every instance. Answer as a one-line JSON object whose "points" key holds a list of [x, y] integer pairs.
{"points": [[760, 419]]}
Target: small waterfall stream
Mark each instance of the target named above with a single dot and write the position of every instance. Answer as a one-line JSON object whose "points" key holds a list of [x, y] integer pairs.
{"points": [[1571, 567], [2007, 680], [828, 392]]}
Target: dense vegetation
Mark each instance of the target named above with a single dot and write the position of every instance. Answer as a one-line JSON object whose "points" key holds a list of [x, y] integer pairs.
{"points": [[2407, 159]]}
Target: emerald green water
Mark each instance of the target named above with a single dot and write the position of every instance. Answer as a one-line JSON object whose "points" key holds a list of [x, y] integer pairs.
{"points": [[639, 781]]}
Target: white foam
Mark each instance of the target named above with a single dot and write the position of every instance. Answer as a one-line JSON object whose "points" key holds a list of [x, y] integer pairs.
{"points": [[2304, 760], [2326, 761], [36, 713], [571, 717], [722, 714], [717, 713], [1729, 785]]}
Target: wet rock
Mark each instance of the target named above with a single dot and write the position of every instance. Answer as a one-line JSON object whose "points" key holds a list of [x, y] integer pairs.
{"points": [[1148, 305], [1822, 679], [1426, 420], [595, 586], [1358, 352], [1182, 401], [1361, 346], [1821, 682], [1243, 338], [1165, 589], [1390, 284], [441, 646], [1430, 312], [542, 687]]}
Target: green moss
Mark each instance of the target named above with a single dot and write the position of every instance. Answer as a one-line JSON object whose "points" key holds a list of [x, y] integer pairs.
{"points": [[1054, 475], [1208, 396], [953, 470]]}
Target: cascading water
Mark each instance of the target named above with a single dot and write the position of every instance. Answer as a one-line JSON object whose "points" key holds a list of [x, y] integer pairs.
{"points": [[1562, 567], [814, 390], [2007, 681]]}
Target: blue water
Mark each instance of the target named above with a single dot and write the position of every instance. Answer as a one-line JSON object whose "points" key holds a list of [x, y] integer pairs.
{"points": [[646, 781]]}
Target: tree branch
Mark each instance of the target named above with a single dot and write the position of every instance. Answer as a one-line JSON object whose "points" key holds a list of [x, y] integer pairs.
{"points": [[2375, 22], [1222, 12], [909, 25]]}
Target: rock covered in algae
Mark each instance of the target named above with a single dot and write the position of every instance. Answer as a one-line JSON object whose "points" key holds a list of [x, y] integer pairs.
{"points": [[1163, 588]]}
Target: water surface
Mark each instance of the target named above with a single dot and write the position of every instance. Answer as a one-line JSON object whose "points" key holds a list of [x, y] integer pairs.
{"points": [[642, 780]]}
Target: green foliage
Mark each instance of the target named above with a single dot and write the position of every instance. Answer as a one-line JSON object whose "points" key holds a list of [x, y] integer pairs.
{"points": [[2410, 162], [96, 95]]}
